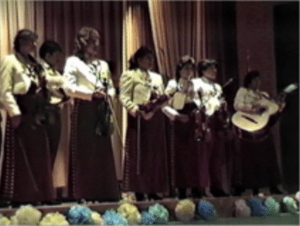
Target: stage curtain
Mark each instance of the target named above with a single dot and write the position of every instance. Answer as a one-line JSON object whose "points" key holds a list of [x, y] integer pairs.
{"points": [[178, 29]]}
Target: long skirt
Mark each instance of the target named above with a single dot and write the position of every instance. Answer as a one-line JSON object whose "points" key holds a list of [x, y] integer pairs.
{"points": [[27, 169], [184, 155], [92, 167], [258, 164], [215, 161], [146, 168]]}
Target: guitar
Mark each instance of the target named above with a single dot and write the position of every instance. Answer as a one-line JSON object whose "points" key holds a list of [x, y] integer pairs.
{"points": [[256, 122]]}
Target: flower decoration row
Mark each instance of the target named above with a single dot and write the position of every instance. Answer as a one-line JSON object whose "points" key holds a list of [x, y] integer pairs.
{"points": [[128, 214]]}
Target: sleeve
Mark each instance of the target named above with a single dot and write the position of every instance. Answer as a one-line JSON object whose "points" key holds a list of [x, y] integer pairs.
{"points": [[239, 100], [126, 89], [111, 89], [170, 112], [171, 87], [6, 88], [71, 88], [57, 80]]}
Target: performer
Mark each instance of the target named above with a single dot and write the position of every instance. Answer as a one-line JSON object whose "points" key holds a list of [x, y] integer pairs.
{"points": [[259, 166], [92, 167], [180, 111], [50, 53], [26, 172], [146, 169], [213, 149]]}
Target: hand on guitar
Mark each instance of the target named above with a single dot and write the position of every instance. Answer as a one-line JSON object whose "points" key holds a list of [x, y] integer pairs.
{"points": [[99, 95], [258, 109], [182, 118]]}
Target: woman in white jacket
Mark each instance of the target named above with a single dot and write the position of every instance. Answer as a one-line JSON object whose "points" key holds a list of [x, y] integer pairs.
{"points": [[92, 167]]}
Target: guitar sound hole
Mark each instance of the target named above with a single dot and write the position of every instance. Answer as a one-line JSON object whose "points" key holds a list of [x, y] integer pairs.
{"points": [[249, 119]]}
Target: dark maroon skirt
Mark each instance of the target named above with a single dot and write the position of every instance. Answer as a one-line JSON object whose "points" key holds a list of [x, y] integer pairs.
{"points": [[92, 167], [27, 170], [184, 173], [152, 175], [258, 166], [215, 159]]}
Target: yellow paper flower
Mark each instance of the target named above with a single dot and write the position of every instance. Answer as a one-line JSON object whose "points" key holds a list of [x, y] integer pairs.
{"points": [[185, 210], [14, 220], [54, 219], [131, 213], [5, 221], [28, 215], [97, 219]]}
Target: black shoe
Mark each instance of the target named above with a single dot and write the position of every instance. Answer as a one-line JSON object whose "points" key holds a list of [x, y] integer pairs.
{"points": [[140, 197], [182, 193], [196, 193], [255, 191], [275, 190], [154, 197]]}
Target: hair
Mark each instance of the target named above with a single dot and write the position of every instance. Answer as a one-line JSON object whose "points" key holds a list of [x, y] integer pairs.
{"points": [[203, 65], [140, 53], [84, 35], [24, 35], [249, 77], [49, 47], [185, 60]]}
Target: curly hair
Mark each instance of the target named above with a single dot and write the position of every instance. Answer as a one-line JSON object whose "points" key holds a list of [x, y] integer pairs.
{"points": [[205, 64], [24, 35], [185, 60], [84, 35]]}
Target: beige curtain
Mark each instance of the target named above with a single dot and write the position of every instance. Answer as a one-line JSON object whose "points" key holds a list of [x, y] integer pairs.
{"points": [[14, 15], [178, 29]]}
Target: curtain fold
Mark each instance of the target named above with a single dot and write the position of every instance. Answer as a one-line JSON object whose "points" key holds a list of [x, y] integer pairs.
{"points": [[178, 29]]}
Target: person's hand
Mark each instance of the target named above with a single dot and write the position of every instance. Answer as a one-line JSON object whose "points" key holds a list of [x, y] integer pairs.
{"points": [[99, 95], [182, 118], [16, 121], [258, 109]]}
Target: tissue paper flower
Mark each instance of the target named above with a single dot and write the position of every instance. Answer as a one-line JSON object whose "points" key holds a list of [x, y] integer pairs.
{"points": [[54, 219], [80, 215], [257, 208], [5, 221], [241, 209], [111, 217], [291, 205], [148, 219], [160, 214], [273, 207], [297, 196], [97, 219], [206, 211], [185, 210], [28, 215], [130, 212]]}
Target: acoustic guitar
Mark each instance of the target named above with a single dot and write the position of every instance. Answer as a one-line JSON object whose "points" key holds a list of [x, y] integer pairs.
{"points": [[256, 122]]}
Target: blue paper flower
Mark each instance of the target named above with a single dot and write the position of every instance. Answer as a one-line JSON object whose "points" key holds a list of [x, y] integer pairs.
{"points": [[160, 213], [148, 219], [206, 211], [111, 217], [80, 215], [257, 208]]}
